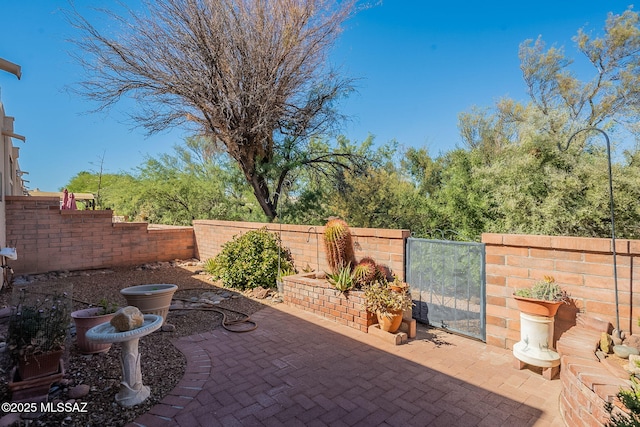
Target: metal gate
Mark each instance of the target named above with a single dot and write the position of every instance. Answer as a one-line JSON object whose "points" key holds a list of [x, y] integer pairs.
{"points": [[448, 284]]}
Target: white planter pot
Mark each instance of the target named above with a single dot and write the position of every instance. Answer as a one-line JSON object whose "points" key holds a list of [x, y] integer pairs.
{"points": [[150, 299], [536, 341]]}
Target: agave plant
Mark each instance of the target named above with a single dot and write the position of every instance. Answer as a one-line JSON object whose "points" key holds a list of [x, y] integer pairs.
{"points": [[342, 280]]}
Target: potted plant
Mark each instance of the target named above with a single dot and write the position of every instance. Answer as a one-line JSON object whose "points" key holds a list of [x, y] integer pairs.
{"points": [[86, 319], [542, 299], [387, 304], [538, 306], [38, 329]]}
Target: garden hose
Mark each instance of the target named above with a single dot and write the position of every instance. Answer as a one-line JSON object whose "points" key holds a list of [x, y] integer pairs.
{"points": [[225, 323]]}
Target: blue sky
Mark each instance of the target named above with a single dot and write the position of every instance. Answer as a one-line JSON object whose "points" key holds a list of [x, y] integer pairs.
{"points": [[418, 64]]}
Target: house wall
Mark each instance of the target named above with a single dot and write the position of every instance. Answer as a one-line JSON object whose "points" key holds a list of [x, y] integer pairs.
{"points": [[386, 247], [582, 266], [50, 239]]}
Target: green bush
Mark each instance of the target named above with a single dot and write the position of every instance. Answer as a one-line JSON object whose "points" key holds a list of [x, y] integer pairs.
{"points": [[250, 261]]}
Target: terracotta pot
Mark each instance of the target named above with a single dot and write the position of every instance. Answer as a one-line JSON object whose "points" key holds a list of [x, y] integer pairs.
{"points": [[39, 365], [151, 299], [389, 321], [400, 289], [85, 320], [537, 307], [34, 389]]}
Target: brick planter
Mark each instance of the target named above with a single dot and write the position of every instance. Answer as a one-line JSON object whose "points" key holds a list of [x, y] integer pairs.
{"points": [[318, 296]]}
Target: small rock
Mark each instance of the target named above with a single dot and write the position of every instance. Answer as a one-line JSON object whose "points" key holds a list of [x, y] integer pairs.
{"points": [[605, 343], [617, 337], [79, 391], [601, 355], [321, 275], [168, 327], [260, 292], [634, 360], [623, 351], [633, 341], [65, 382]]}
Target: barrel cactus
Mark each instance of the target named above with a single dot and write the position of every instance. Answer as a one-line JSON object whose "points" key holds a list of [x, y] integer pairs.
{"points": [[338, 245], [364, 272]]}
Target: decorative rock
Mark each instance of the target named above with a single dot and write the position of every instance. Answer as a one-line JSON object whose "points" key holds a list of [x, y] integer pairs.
{"points": [[260, 292], [634, 361], [79, 391], [617, 337], [623, 351], [321, 275], [605, 343], [127, 319], [633, 341], [168, 328]]}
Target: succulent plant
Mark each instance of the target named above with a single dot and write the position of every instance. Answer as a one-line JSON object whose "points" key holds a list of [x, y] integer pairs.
{"points": [[338, 245], [342, 280], [546, 289], [364, 273]]}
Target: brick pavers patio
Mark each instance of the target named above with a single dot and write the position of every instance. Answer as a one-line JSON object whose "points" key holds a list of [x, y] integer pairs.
{"points": [[298, 369]]}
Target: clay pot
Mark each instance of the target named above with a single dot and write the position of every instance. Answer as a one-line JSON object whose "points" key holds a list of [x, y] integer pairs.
{"points": [[389, 321], [86, 319], [537, 307]]}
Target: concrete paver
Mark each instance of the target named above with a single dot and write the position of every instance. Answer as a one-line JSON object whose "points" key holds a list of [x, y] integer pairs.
{"points": [[301, 369]]}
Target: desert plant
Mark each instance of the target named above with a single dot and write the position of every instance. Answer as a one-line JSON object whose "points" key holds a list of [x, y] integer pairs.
{"points": [[380, 298], [250, 260], [39, 322], [338, 245], [631, 400], [342, 280], [364, 273], [546, 289], [107, 307]]}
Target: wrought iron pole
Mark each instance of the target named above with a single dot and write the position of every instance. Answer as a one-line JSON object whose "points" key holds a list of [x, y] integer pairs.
{"points": [[613, 229]]}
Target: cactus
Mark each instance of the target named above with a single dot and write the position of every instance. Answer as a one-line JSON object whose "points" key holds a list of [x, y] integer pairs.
{"points": [[364, 272], [338, 245]]}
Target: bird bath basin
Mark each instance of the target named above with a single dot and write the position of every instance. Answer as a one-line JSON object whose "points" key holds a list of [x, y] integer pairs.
{"points": [[132, 391]]}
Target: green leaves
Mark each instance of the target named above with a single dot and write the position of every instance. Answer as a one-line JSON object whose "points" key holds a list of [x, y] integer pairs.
{"points": [[250, 261]]}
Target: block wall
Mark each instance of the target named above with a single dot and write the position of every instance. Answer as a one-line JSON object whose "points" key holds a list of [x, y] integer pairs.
{"points": [[50, 239], [582, 266], [305, 242], [319, 297]]}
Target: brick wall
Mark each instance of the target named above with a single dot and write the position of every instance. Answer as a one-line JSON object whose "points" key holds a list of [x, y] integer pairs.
{"points": [[582, 266], [319, 297], [50, 239], [305, 242]]}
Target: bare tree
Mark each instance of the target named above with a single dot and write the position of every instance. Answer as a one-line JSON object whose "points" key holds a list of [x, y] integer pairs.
{"points": [[250, 74]]}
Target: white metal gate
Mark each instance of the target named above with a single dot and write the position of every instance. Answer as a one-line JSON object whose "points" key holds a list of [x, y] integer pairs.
{"points": [[448, 284]]}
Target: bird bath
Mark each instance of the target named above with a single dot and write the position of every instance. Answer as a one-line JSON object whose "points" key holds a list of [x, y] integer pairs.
{"points": [[132, 391]]}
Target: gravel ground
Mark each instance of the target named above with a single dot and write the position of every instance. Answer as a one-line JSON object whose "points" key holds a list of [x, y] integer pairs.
{"points": [[162, 364]]}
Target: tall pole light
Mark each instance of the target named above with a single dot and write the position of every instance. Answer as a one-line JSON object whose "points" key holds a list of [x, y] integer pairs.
{"points": [[613, 228]]}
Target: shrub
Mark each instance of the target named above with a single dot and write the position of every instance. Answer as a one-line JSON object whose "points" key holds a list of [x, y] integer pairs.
{"points": [[250, 261]]}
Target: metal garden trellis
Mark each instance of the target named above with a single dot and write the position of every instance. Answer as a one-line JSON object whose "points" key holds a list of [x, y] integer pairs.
{"points": [[613, 231]]}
